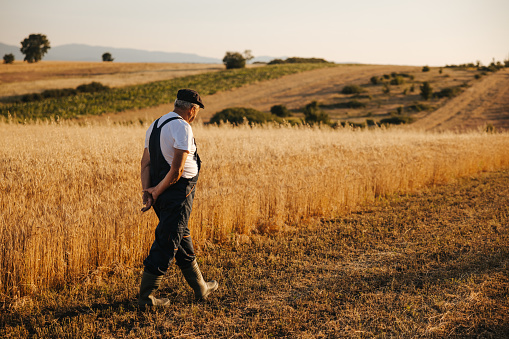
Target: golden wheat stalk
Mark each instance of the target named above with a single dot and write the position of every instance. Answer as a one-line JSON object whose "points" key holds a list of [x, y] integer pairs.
{"points": [[71, 195]]}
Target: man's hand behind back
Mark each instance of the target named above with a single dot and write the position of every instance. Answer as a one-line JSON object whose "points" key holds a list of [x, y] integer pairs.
{"points": [[148, 201]]}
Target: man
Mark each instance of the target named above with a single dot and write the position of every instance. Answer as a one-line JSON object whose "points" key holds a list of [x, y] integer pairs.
{"points": [[169, 171]]}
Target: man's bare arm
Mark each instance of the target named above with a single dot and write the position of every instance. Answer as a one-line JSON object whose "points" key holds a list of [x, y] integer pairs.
{"points": [[148, 201], [176, 170]]}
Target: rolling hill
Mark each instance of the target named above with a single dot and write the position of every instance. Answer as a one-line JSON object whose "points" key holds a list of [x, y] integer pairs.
{"points": [[81, 52]]}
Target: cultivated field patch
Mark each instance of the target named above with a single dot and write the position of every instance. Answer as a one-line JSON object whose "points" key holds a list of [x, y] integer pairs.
{"points": [[23, 78]]}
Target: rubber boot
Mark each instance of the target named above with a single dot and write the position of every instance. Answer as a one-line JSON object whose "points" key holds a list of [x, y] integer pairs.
{"points": [[194, 278], [149, 284]]}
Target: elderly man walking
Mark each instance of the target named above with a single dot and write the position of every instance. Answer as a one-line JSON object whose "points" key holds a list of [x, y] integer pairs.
{"points": [[169, 171]]}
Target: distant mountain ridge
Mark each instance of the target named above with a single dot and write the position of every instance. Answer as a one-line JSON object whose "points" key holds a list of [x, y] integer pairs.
{"points": [[82, 52]]}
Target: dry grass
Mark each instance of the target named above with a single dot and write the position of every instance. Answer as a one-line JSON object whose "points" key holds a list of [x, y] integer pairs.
{"points": [[71, 194], [486, 102]]}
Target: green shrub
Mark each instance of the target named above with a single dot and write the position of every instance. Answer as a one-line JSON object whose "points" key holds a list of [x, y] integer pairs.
{"points": [[355, 104], [314, 115], [8, 58], [31, 97], [465, 66], [370, 122], [352, 89], [276, 62], [426, 91], [387, 76], [295, 60], [238, 115], [418, 107], [489, 128], [375, 80], [280, 111], [348, 104], [398, 80], [92, 87], [386, 89], [397, 120], [425, 69], [448, 92], [354, 124], [493, 67], [58, 93], [404, 75]]}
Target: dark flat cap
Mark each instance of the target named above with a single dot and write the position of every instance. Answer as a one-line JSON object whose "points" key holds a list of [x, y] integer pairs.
{"points": [[190, 95]]}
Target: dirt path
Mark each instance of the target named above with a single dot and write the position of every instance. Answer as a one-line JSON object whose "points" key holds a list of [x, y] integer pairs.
{"points": [[486, 102], [294, 91]]}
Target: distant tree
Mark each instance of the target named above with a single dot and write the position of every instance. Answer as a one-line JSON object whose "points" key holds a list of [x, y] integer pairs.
{"points": [[280, 111], [426, 69], [8, 58], [248, 55], [107, 57], [234, 60], [34, 47], [237, 60], [426, 91]]}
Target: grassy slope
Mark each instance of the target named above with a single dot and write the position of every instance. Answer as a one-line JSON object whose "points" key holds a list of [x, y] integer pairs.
{"points": [[433, 265], [147, 95]]}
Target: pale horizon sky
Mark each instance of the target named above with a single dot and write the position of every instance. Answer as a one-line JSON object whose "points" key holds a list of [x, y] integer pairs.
{"points": [[402, 32]]}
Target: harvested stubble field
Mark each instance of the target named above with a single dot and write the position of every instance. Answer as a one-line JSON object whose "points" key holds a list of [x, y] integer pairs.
{"points": [[311, 233]]}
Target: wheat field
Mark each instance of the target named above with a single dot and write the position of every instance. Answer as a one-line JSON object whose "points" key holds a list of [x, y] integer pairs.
{"points": [[71, 194]]}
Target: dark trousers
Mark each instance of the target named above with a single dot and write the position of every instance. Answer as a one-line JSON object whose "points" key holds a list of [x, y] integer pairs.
{"points": [[172, 236]]}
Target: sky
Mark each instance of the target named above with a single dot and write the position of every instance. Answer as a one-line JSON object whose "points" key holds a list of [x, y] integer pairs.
{"points": [[396, 32]]}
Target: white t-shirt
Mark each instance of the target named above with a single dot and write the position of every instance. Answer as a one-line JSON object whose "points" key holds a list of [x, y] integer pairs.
{"points": [[176, 133]]}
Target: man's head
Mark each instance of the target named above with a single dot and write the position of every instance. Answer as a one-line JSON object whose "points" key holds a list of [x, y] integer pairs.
{"points": [[191, 96], [188, 103]]}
